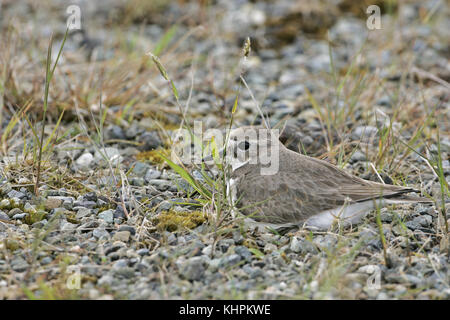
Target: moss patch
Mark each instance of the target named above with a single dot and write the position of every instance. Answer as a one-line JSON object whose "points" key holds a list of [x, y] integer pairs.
{"points": [[154, 156], [173, 221]]}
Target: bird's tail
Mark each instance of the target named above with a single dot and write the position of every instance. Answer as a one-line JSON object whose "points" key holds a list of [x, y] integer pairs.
{"points": [[409, 199]]}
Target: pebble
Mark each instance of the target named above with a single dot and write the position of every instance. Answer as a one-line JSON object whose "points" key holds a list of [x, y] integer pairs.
{"points": [[152, 174], [193, 269], [108, 154], [229, 261], [85, 160], [100, 233], [16, 194], [107, 216], [4, 216], [19, 216], [52, 203], [364, 133], [123, 236], [128, 228]]}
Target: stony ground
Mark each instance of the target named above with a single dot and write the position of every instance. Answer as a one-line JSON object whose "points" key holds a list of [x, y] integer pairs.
{"points": [[111, 220]]}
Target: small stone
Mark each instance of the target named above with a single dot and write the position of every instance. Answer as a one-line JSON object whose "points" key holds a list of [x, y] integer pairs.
{"points": [[20, 216], [386, 217], [83, 212], [214, 264], [114, 132], [4, 203], [4, 216], [52, 203], [107, 216], [141, 168], [207, 250], [424, 220], [358, 156], [29, 208], [364, 133], [14, 211], [121, 263], [193, 269], [67, 226], [19, 264], [302, 246], [84, 160], [270, 247], [100, 233], [143, 252], [243, 252], [237, 237], [46, 260], [126, 272], [111, 154], [128, 228], [150, 140], [85, 204], [16, 194], [229, 261], [152, 174], [123, 236]]}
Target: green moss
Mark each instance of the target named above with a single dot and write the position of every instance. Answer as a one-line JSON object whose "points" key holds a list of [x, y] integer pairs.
{"points": [[153, 156], [12, 245], [173, 221], [34, 217]]}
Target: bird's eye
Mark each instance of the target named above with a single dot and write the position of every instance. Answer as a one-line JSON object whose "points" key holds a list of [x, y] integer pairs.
{"points": [[244, 145]]}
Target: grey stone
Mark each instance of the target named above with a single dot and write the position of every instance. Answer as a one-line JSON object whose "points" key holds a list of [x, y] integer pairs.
{"points": [[140, 168], [193, 269], [423, 220], [108, 154], [20, 216], [46, 260], [358, 156], [150, 140], [19, 264], [126, 272], [107, 216], [123, 236], [4, 203], [143, 252], [14, 211], [299, 245], [85, 160], [100, 233], [364, 133], [114, 132], [4, 216], [152, 174], [229, 261], [128, 228], [16, 194], [243, 252]]}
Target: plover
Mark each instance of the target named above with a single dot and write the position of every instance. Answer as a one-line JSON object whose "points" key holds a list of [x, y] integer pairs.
{"points": [[302, 191]]}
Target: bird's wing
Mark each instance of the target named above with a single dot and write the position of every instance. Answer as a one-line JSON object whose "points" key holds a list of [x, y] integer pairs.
{"points": [[328, 177], [299, 191], [285, 198]]}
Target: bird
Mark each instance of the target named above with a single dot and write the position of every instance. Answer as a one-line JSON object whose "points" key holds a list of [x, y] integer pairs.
{"points": [[300, 191]]}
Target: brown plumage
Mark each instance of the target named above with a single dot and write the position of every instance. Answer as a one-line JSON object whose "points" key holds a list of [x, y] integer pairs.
{"points": [[303, 187]]}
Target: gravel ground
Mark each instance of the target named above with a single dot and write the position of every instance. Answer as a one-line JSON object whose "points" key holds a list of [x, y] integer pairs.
{"points": [[112, 221]]}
